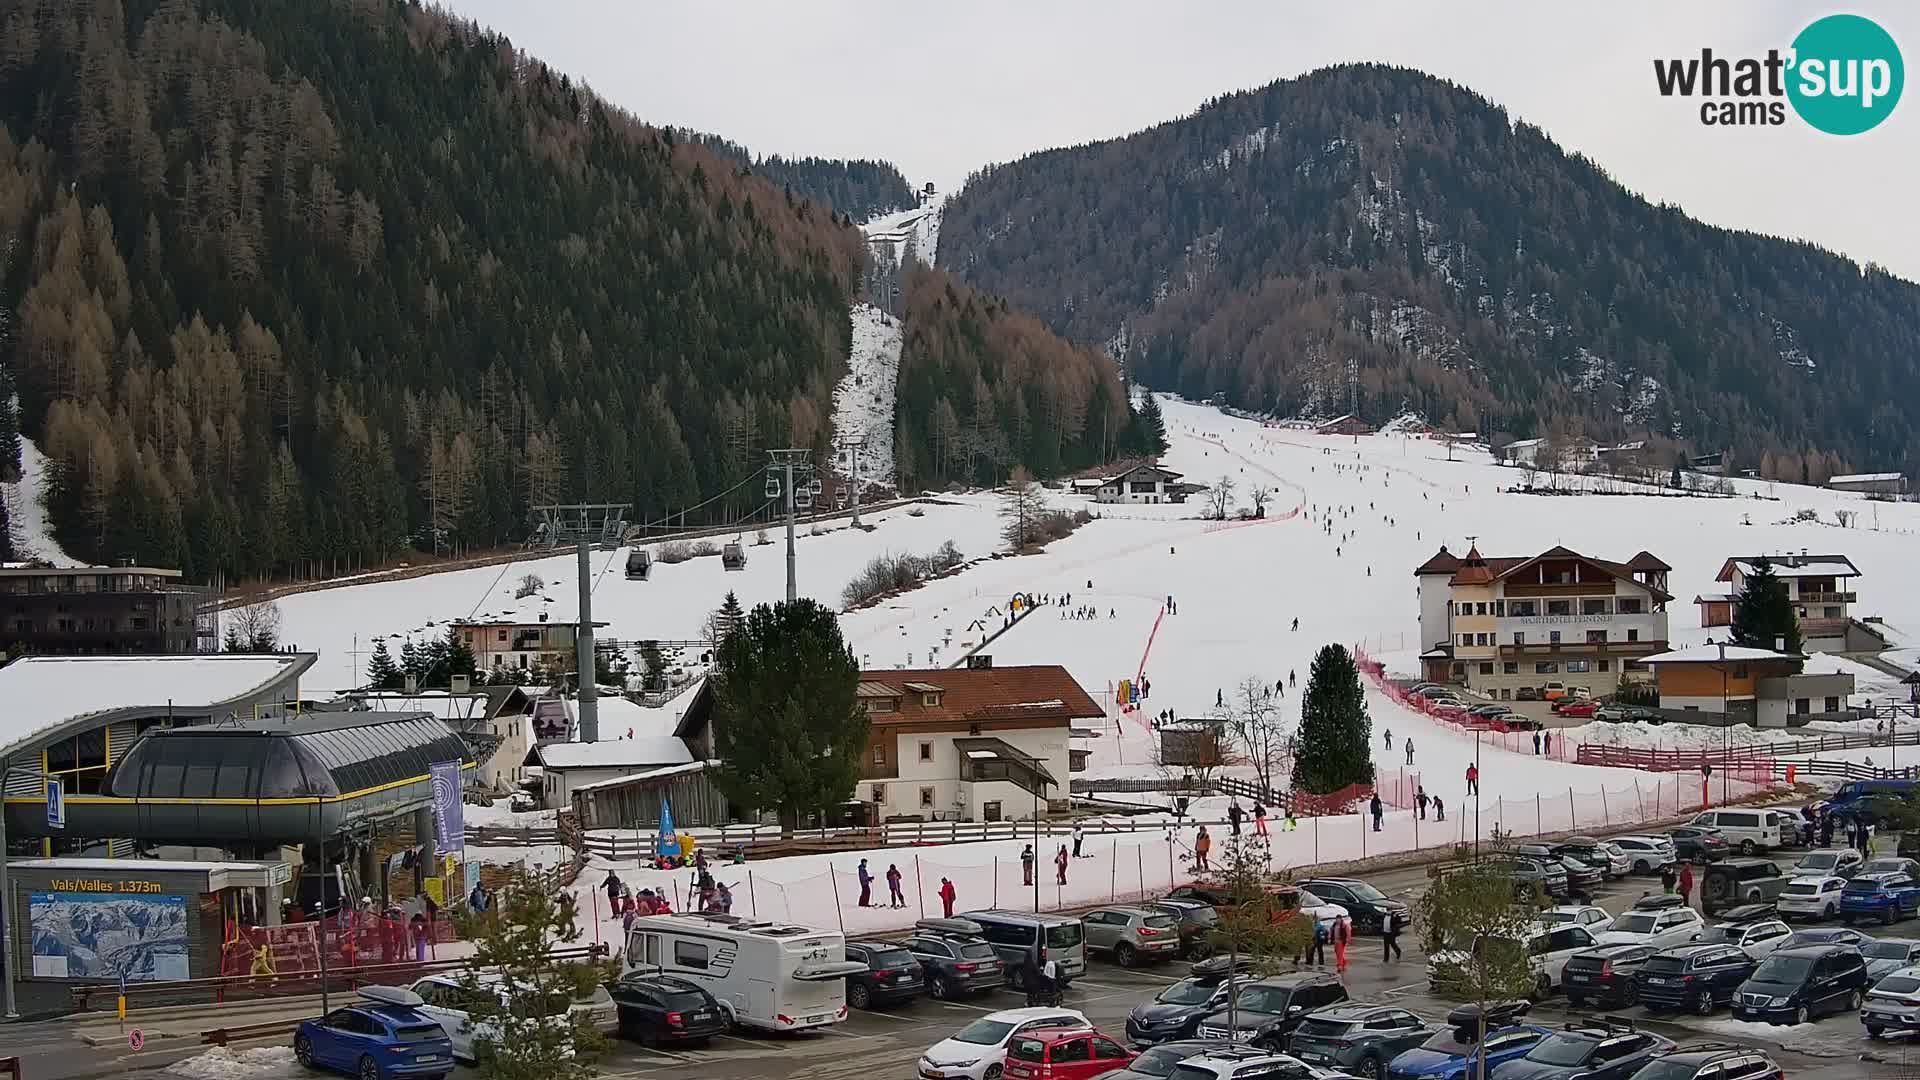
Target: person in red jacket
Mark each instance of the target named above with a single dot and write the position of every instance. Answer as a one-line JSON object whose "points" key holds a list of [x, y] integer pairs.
{"points": [[1473, 779], [946, 897], [1342, 934]]}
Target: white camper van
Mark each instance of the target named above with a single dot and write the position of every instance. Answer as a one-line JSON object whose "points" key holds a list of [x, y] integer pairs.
{"points": [[773, 976]]}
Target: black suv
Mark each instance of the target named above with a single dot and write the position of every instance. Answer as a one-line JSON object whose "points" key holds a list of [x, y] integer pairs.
{"points": [[1357, 1039], [1794, 985], [1176, 1012], [1693, 977], [1732, 882], [1604, 976], [1367, 905], [1712, 1061], [954, 958], [1266, 1012], [893, 974], [1593, 1049]]}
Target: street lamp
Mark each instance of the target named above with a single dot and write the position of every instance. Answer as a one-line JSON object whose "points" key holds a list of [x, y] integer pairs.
{"points": [[1726, 723], [1476, 793]]}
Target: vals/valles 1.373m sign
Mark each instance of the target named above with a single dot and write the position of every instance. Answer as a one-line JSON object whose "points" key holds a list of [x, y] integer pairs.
{"points": [[1842, 75]]}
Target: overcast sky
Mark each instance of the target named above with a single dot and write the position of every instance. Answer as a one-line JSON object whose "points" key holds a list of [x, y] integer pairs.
{"points": [[942, 89]]}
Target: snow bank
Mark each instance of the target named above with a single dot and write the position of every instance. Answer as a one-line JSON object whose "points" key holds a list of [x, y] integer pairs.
{"points": [[224, 1063], [32, 533]]}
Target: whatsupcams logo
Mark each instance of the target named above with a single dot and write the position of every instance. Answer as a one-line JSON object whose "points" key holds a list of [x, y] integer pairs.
{"points": [[1842, 75]]}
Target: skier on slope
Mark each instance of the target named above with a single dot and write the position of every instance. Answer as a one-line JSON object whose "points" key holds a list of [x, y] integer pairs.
{"points": [[1409, 751]]}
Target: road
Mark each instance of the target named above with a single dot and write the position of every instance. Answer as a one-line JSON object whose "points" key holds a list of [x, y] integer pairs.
{"points": [[884, 1045]]}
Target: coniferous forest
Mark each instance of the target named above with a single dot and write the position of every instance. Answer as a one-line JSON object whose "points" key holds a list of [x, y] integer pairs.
{"points": [[1375, 236], [859, 189], [294, 286]]}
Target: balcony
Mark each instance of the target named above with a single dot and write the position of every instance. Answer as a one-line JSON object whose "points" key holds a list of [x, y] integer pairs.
{"points": [[1827, 598], [1583, 648], [985, 759]]}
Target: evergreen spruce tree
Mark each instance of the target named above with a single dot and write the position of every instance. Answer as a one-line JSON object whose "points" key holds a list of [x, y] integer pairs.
{"points": [[1763, 616], [785, 721], [1336, 734], [382, 672], [730, 614], [1152, 438], [459, 657], [412, 661]]}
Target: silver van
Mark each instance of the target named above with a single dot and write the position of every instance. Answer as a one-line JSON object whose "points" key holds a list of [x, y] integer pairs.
{"points": [[1019, 935], [1750, 831]]}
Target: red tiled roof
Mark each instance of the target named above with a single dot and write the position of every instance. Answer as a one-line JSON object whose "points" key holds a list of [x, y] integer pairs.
{"points": [[1475, 570], [1043, 693], [1443, 562]]}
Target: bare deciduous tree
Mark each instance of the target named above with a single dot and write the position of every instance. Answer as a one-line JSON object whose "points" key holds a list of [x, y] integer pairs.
{"points": [[1023, 504], [1258, 729], [1260, 496], [253, 628], [1220, 498]]}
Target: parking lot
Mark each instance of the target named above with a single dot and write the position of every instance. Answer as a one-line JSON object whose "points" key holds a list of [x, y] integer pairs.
{"points": [[886, 1044]]}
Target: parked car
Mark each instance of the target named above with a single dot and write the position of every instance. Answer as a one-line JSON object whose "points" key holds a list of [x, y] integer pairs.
{"points": [[1157, 1062], [1547, 876], [1581, 878], [1604, 976], [1593, 1049], [385, 1037], [1893, 1004], [1712, 1061], [1893, 865], [1888, 955], [1755, 930], [1595, 919], [1451, 1053], [1826, 935], [1553, 691], [1265, 1012], [1366, 905], [1865, 799], [1073, 1052], [1489, 710], [1249, 1063], [1357, 1039], [1696, 978], [955, 960], [452, 1005], [1696, 845], [1197, 922], [1548, 947], [1649, 853], [1797, 984], [1603, 855], [1791, 833], [1285, 897], [1879, 896], [1660, 927], [1132, 935], [979, 1050], [1730, 883], [1577, 707], [1175, 1013], [1751, 831], [1527, 693], [1811, 897], [1628, 714], [1828, 862], [1437, 693], [893, 974], [660, 1009]]}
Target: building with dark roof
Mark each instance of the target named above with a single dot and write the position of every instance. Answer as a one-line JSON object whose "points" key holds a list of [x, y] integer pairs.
{"points": [[105, 610], [1507, 624]]}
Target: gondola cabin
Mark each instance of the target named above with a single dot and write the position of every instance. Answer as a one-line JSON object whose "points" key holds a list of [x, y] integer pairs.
{"points": [[733, 556], [639, 564]]}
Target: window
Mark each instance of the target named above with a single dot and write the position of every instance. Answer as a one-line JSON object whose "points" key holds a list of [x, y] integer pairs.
{"points": [[1596, 637], [1106, 1049], [1463, 609], [1553, 637], [500, 635], [1071, 1050], [930, 701], [1466, 639], [1510, 668], [690, 954], [926, 796], [1483, 639], [1832, 705], [1739, 671], [1633, 635], [1559, 607], [1525, 609], [1479, 609], [1802, 706], [1487, 669], [1593, 606], [1500, 608], [1576, 667], [926, 751], [879, 753], [1546, 667], [879, 793], [1603, 665], [1519, 637], [875, 705]]}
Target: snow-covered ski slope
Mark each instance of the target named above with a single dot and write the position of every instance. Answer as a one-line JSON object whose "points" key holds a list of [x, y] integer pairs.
{"points": [[1238, 586], [863, 402], [32, 533], [916, 230]]}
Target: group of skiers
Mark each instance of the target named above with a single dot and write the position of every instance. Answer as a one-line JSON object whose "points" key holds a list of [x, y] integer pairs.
{"points": [[896, 898], [1060, 860]]}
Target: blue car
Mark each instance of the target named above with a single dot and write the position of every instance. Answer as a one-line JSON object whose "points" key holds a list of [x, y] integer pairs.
{"points": [[1885, 896], [386, 1037], [1450, 1054]]}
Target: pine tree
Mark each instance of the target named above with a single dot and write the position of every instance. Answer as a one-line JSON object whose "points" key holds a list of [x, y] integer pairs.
{"points": [[727, 619], [412, 661], [382, 672], [513, 1006], [786, 724], [1336, 735], [1763, 616], [459, 658], [1152, 427]]}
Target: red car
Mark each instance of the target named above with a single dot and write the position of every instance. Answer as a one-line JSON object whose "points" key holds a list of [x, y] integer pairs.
{"points": [[1580, 707], [1064, 1053]]}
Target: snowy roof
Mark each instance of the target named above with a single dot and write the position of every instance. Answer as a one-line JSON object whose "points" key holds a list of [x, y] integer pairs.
{"points": [[613, 753], [649, 774], [1865, 478], [44, 692], [444, 705], [1711, 654], [1791, 566], [1521, 444], [1714, 598], [618, 715], [157, 866]]}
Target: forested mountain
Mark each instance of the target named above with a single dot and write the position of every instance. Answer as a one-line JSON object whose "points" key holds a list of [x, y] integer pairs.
{"points": [[983, 388], [860, 189], [1374, 229], [294, 284]]}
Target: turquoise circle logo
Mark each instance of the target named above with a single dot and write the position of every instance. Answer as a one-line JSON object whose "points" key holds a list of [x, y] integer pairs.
{"points": [[1847, 74]]}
